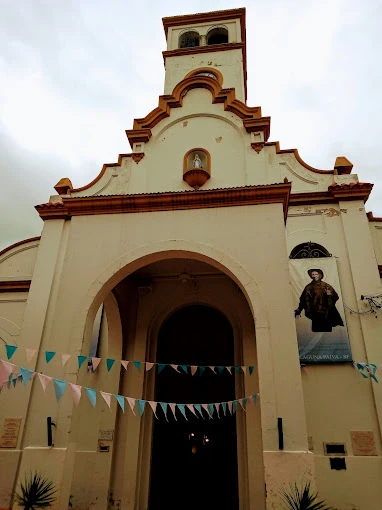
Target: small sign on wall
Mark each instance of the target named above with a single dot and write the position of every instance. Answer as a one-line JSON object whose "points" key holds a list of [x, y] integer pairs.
{"points": [[10, 433], [363, 442], [105, 440]]}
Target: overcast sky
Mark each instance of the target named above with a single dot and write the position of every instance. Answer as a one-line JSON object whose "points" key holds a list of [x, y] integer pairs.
{"points": [[74, 75]]}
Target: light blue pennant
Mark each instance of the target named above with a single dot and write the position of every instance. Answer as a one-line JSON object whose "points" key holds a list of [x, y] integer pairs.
{"points": [[202, 369], [92, 394], [10, 349], [164, 408], [184, 368], [251, 368], [109, 363], [238, 370], [220, 370], [59, 388], [224, 406], [161, 366], [244, 402], [137, 364], [234, 406], [81, 360], [182, 409], [254, 398], [49, 355], [211, 410], [141, 406], [26, 375], [121, 401], [198, 407]]}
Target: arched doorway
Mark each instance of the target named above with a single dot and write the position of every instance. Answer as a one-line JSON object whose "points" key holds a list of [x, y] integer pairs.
{"points": [[194, 462]]}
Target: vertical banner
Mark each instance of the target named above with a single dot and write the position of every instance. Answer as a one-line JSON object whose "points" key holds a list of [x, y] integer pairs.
{"points": [[320, 319]]}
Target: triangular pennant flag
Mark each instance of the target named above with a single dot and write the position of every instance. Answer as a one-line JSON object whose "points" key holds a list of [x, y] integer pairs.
{"points": [[153, 406], [49, 355], [191, 408], [212, 368], [254, 398], [164, 409], [121, 401], [243, 402], [81, 360], [175, 367], [149, 366], [198, 407], [224, 406], [137, 364], [205, 407], [10, 379], [26, 375], [234, 406], [244, 370], [229, 369], [59, 388], [251, 368], [76, 392], [131, 402], [193, 369], [211, 409], [14, 381], [30, 353], [161, 366], [220, 370], [5, 370], [173, 407], [11, 349], [238, 369], [217, 408], [141, 406], [92, 395], [184, 368], [109, 363], [124, 363], [44, 380], [201, 369], [182, 409], [230, 406], [95, 363], [106, 397], [64, 359]]}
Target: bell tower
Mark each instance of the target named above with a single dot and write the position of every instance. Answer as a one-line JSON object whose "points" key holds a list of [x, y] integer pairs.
{"points": [[202, 43]]}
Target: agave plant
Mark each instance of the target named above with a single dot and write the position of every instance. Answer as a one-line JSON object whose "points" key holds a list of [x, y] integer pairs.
{"points": [[35, 492], [295, 498]]}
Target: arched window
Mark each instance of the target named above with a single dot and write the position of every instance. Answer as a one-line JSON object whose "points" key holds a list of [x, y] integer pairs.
{"points": [[309, 250], [189, 39], [218, 35]]}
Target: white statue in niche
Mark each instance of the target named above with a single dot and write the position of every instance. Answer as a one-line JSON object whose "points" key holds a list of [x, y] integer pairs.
{"points": [[197, 162]]}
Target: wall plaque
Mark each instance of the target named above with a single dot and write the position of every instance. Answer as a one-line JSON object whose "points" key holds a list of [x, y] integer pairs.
{"points": [[10, 433], [363, 442], [106, 435]]}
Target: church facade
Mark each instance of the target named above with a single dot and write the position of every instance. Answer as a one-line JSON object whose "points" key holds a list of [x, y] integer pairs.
{"points": [[208, 266]]}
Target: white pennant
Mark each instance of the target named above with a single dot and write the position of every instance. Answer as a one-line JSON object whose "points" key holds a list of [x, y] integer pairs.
{"points": [[191, 408], [175, 367], [106, 397], [229, 369], [193, 369], [76, 392], [149, 366], [244, 369], [44, 380], [30, 353], [153, 406], [212, 368], [124, 363], [64, 358], [5, 369], [217, 408], [230, 406], [131, 402], [95, 363], [173, 407]]}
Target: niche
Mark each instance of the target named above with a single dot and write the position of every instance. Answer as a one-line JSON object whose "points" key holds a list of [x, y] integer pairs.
{"points": [[196, 167]]}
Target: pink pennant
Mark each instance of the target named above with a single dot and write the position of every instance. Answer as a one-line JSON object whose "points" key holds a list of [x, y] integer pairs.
{"points": [[124, 363], [76, 392], [106, 397], [153, 406], [217, 408], [173, 407], [131, 402], [191, 408], [205, 407], [30, 354], [5, 369], [64, 358], [244, 369], [230, 406], [149, 366], [229, 369], [213, 369], [95, 363], [193, 369], [175, 367], [44, 380]]}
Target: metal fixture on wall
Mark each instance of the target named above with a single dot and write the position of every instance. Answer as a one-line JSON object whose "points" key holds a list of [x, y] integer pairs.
{"points": [[50, 423]]}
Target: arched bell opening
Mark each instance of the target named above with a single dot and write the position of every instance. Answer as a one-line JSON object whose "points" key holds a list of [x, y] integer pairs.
{"points": [[217, 35], [189, 39]]}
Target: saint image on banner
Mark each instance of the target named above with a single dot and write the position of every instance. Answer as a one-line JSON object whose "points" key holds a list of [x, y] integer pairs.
{"points": [[320, 320]]}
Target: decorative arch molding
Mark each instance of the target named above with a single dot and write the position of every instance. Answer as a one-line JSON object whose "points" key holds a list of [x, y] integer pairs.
{"points": [[20, 243], [132, 261], [212, 70], [200, 115], [251, 116]]}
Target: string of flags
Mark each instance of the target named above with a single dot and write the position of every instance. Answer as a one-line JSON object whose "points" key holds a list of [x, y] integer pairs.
{"points": [[367, 370], [94, 362], [10, 374]]}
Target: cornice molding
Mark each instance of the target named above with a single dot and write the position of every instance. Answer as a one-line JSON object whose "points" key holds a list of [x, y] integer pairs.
{"points": [[25, 241], [336, 192], [252, 115], [15, 286], [370, 217], [169, 201]]}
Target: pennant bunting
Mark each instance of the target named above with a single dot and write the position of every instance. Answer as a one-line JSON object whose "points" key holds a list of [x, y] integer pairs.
{"points": [[182, 409], [44, 380], [124, 363], [30, 353], [173, 408], [244, 370], [224, 407], [238, 370], [153, 406], [109, 363], [161, 366], [213, 369], [229, 369], [149, 366], [217, 408], [205, 407], [81, 360], [10, 349], [95, 363], [92, 395], [141, 406], [254, 398], [251, 368], [184, 368], [59, 388], [211, 410], [49, 355], [64, 359], [76, 392], [5, 370], [164, 409], [190, 407], [234, 406], [175, 367], [201, 369], [220, 370], [194, 369], [121, 401], [137, 364], [198, 407], [131, 402], [106, 397], [230, 406], [26, 375]]}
